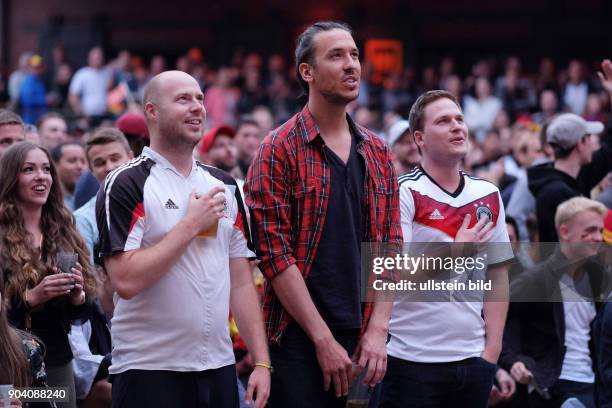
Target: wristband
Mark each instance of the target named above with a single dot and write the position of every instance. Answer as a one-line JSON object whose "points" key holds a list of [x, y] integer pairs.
{"points": [[265, 365]]}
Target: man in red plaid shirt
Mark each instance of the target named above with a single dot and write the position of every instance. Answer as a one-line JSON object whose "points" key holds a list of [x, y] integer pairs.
{"points": [[319, 186]]}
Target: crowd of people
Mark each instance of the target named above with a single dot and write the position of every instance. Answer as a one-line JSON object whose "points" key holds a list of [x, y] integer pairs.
{"points": [[146, 213]]}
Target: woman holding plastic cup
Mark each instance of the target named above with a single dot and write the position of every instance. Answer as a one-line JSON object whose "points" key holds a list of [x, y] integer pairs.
{"points": [[35, 228]]}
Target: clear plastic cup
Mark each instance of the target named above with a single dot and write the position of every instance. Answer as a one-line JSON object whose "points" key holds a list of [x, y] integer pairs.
{"points": [[229, 193], [359, 393], [66, 261]]}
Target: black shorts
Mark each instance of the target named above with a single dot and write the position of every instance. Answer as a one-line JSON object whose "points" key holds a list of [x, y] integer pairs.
{"points": [[161, 389]]}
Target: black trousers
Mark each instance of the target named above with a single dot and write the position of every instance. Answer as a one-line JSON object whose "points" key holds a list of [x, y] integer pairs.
{"points": [[458, 384], [297, 380], [216, 388]]}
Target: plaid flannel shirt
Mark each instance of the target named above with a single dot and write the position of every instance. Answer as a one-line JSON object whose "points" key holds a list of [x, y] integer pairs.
{"points": [[287, 192]]}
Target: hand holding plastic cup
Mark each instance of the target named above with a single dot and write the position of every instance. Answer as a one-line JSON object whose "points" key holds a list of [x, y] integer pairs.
{"points": [[66, 261], [211, 232], [359, 393]]}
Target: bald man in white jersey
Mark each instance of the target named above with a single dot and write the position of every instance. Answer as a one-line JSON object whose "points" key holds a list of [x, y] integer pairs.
{"points": [[175, 242]]}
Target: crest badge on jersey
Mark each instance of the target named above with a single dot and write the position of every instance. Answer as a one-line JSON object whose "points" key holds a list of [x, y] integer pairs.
{"points": [[484, 211]]}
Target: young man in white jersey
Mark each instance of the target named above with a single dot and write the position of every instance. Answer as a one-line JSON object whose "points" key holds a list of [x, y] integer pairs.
{"points": [[444, 353]]}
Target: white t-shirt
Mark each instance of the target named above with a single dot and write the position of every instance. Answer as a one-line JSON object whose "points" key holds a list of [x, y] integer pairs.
{"points": [[480, 114], [579, 313], [85, 364], [575, 97], [92, 87], [181, 322], [433, 332]]}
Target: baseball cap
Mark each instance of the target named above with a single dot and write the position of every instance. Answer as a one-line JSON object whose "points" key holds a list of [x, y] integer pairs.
{"points": [[607, 231], [195, 55], [211, 135], [397, 130], [133, 124], [568, 128]]}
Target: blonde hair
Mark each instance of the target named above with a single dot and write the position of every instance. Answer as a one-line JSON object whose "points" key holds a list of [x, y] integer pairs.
{"points": [[522, 139], [572, 207]]}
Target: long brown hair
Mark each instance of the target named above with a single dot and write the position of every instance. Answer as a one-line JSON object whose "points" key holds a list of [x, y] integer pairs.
{"points": [[23, 267], [14, 367]]}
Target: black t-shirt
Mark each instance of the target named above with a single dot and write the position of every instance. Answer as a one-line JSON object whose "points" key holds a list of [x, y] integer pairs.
{"points": [[335, 276]]}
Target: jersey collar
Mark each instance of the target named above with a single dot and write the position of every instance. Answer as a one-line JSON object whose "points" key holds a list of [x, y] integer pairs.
{"points": [[163, 162]]}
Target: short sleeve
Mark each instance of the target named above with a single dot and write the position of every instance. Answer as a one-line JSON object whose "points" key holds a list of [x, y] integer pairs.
{"points": [[499, 248], [407, 212], [76, 85], [240, 241], [120, 211], [85, 226]]}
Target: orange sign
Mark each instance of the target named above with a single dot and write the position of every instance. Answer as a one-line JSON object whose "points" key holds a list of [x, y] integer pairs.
{"points": [[384, 55]]}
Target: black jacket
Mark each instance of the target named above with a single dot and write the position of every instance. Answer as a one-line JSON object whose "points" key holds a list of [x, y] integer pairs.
{"points": [[535, 328], [51, 324], [602, 333], [551, 187]]}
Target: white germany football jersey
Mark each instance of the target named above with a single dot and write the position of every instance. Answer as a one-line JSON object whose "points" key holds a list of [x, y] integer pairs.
{"points": [[180, 323], [434, 332]]}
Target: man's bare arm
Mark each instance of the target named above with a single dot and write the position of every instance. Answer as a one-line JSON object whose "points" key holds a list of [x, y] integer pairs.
{"points": [[291, 289], [246, 310], [495, 310], [372, 349], [75, 102]]}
